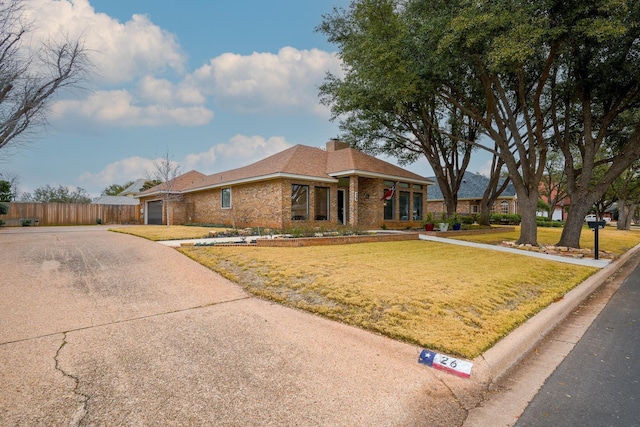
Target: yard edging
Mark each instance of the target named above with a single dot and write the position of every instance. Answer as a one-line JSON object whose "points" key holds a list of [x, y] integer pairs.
{"points": [[501, 358]]}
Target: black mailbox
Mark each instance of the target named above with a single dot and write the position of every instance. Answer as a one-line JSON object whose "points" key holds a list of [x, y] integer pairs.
{"points": [[596, 224]]}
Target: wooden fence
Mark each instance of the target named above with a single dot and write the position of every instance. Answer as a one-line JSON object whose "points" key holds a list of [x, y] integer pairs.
{"points": [[70, 214]]}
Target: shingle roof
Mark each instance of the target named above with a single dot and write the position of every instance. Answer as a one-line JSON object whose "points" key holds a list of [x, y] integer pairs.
{"points": [[179, 184], [472, 187], [310, 163]]}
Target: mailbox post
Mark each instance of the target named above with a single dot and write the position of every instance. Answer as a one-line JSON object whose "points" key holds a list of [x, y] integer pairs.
{"points": [[595, 226]]}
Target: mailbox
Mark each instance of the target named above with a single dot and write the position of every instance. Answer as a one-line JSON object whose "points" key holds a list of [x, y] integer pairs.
{"points": [[596, 224]]}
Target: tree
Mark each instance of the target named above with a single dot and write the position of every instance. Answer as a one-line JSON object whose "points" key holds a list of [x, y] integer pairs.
{"points": [[384, 104], [150, 183], [30, 77], [60, 194], [530, 75], [12, 179], [5, 191], [497, 185], [627, 191], [553, 188], [115, 189], [166, 171]]}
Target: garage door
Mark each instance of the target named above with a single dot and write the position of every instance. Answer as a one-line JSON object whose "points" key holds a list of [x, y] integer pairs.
{"points": [[154, 212]]}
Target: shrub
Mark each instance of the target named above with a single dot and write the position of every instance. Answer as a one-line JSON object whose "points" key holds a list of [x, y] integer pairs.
{"points": [[2, 222], [25, 222], [468, 220], [4, 208], [99, 221]]}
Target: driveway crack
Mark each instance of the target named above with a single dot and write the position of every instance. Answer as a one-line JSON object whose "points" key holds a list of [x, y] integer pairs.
{"points": [[82, 410]]}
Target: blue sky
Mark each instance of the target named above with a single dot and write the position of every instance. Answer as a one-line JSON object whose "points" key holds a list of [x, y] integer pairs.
{"points": [[216, 84]]}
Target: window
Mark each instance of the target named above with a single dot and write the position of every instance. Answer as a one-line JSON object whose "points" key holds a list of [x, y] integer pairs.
{"points": [[474, 209], [417, 206], [299, 202], [321, 203], [404, 206], [226, 198], [389, 207], [504, 207]]}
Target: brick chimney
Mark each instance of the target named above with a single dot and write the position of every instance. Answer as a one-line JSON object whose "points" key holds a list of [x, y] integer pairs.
{"points": [[335, 145]]}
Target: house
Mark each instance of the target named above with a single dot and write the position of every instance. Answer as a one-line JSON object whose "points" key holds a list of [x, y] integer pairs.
{"points": [[338, 185], [133, 189], [115, 200], [125, 197], [470, 195]]}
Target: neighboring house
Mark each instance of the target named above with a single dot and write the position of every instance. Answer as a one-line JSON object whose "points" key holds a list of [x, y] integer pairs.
{"points": [[115, 200], [561, 208], [134, 189], [339, 185], [470, 195]]}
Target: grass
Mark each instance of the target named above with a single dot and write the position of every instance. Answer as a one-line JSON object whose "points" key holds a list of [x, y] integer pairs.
{"points": [[609, 238], [161, 232], [452, 299]]}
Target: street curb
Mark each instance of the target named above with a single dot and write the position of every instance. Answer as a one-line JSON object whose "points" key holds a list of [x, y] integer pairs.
{"points": [[499, 360]]}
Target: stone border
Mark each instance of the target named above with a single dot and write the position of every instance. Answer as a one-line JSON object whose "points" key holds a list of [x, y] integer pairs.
{"points": [[368, 238], [335, 240]]}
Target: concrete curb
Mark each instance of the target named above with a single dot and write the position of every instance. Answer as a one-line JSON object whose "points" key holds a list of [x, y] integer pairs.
{"points": [[500, 359]]}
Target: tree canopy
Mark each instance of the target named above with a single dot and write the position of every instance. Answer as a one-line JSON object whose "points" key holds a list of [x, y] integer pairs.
{"points": [[29, 77], [528, 76], [115, 189], [60, 194]]}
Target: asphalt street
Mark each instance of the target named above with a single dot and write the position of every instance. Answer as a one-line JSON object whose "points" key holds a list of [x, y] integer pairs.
{"points": [[598, 383]]}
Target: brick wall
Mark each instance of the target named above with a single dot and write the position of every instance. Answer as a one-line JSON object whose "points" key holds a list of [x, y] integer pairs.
{"points": [[268, 204]]}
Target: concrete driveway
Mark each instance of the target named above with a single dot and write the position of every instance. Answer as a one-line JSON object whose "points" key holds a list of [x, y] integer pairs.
{"points": [[105, 329]]}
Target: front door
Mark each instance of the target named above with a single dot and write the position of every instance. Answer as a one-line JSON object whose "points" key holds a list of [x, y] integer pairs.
{"points": [[343, 207]]}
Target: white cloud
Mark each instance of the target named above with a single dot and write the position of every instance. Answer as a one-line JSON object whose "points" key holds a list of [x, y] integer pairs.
{"points": [[119, 108], [262, 82], [130, 57], [128, 169], [120, 52], [241, 150]]}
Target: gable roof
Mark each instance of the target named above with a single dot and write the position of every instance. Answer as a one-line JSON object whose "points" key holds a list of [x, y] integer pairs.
{"points": [[178, 184], [302, 162], [472, 187]]}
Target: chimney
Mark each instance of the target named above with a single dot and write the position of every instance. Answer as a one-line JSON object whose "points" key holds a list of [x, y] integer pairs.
{"points": [[335, 145]]}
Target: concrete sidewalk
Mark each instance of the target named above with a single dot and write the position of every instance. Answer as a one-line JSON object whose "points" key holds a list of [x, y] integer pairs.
{"points": [[588, 262]]}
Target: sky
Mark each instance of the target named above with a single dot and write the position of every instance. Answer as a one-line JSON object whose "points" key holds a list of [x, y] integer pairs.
{"points": [[213, 84]]}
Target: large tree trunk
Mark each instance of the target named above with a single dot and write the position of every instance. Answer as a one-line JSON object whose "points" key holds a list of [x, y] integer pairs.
{"points": [[485, 213], [528, 224], [625, 214], [572, 230]]}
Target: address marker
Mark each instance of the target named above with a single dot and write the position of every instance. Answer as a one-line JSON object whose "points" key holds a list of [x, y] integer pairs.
{"points": [[461, 368]]}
